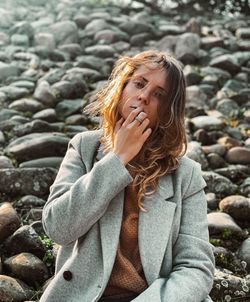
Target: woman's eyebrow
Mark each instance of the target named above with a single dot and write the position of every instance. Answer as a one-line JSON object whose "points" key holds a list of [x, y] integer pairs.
{"points": [[146, 80]]}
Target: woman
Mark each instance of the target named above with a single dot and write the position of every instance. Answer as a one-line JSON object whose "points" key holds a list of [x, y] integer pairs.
{"points": [[127, 208]]}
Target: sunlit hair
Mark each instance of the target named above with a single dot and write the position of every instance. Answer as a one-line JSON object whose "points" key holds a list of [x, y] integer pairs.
{"points": [[167, 143]]}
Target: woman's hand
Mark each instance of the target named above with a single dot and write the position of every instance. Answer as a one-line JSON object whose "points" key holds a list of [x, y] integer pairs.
{"points": [[131, 134]]}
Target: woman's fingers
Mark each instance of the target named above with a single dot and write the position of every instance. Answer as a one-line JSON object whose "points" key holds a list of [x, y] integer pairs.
{"points": [[119, 124], [132, 116]]}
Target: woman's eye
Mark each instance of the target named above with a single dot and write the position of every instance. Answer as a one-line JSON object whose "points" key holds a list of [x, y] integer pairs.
{"points": [[138, 84], [159, 95]]}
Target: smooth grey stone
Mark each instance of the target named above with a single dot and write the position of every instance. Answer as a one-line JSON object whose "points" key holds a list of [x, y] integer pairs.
{"points": [[195, 96], [22, 27], [7, 18], [195, 152], [219, 222], [234, 172], [245, 187], [166, 44], [81, 20], [36, 145], [66, 89], [90, 62], [222, 75], [65, 32], [244, 253], [226, 62], [210, 42], [95, 26], [77, 119], [24, 84], [27, 267], [33, 126], [68, 107], [6, 114], [102, 51], [83, 74], [171, 29], [218, 184], [14, 93], [48, 115], [207, 122], [135, 27], [140, 39], [4, 39], [192, 76], [216, 161], [227, 107], [230, 89], [242, 57], [44, 94], [25, 105], [30, 201], [2, 139], [53, 162], [20, 40], [236, 206], [238, 155], [73, 50], [8, 70], [72, 130], [9, 220], [16, 182], [187, 46], [212, 201], [5, 162], [108, 36], [45, 39], [215, 148], [14, 290], [243, 33], [25, 239]]}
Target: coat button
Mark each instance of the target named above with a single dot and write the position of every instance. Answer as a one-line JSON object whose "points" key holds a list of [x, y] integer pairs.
{"points": [[67, 275]]}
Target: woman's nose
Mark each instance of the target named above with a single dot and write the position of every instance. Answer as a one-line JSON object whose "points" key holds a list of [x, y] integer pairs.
{"points": [[144, 97]]}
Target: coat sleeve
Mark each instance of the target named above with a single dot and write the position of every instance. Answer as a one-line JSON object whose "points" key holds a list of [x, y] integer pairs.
{"points": [[78, 199], [191, 278]]}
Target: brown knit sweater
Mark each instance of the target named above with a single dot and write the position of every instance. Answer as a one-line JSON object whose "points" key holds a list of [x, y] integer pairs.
{"points": [[127, 276]]}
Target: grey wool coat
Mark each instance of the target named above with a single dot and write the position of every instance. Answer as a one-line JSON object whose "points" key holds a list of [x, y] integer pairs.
{"points": [[83, 215]]}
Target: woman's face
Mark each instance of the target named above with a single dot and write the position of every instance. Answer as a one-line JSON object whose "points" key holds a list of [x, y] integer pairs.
{"points": [[146, 89]]}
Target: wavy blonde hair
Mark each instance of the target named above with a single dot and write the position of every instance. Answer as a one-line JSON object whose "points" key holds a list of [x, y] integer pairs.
{"points": [[167, 143]]}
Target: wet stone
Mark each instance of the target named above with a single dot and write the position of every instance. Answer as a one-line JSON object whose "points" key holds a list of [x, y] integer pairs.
{"points": [[187, 48], [9, 220], [226, 62], [102, 51], [229, 142], [26, 105], [192, 76], [218, 184], [53, 162], [33, 126], [68, 107], [64, 32], [14, 93], [25, 239], [234, 172], [244, 253], [27, 267], [227, 107], [36, 145], [215, 148], [238, 155], [207, 122], [47, 115], [195, 152], [16, 182], [7, 70], [236, 206], [219, 222], [12, 289], [209, 42], [5, 162], [245, 187], [215, 161]]}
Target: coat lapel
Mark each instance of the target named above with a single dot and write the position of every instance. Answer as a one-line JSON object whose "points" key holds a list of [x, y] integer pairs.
{"points": [[110, 226], [154, 228]]}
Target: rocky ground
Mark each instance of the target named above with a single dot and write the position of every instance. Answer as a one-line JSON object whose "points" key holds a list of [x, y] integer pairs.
{"points": [[53, 58]]}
